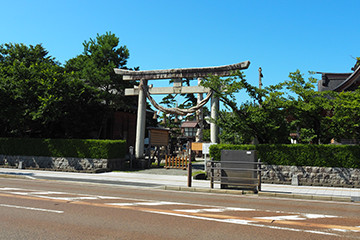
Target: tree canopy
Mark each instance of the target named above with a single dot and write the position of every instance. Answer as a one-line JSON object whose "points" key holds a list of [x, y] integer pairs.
{"points": [[261, 118], [96, 67], [293, 106], [37, 98]]}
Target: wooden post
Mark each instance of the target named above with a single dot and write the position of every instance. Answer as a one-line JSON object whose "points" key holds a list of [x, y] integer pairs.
{"points": [[189, 172], [259, 175], [211, 175]]}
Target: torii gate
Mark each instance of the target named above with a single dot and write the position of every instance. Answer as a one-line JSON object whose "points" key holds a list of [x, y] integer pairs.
{"points": [[177, 74]]}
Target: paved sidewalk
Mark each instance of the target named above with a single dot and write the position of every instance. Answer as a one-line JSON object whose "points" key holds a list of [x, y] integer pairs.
{"points": [[180, 180]]}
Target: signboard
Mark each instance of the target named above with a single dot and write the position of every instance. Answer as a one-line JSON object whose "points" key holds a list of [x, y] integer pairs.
{"points": [[206, 147], [196, 146], [159, 137], [239, 169]]}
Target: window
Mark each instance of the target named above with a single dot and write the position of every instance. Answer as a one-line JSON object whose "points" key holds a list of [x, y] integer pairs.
{"points": [[190, 132]]}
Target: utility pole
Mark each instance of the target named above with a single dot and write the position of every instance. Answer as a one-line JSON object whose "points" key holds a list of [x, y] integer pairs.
{"points": [[260, 81], [260, 77]]}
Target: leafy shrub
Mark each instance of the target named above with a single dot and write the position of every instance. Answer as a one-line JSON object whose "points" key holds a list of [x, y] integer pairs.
{"points": [[79, 148], [347, 156]]}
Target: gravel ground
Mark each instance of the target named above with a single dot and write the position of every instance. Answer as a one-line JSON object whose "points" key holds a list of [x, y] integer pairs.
{"points": [[196, 166]]}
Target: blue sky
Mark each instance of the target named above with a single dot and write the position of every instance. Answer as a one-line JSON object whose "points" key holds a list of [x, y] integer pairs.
{"points": [[279, 36]]}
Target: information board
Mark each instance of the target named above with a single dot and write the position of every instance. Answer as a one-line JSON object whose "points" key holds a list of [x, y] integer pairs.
{"points": [[206, 147]]}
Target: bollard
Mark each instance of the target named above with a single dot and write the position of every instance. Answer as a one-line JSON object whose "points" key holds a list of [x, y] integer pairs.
{"points": [[189, 172], [295, 180], [131, 152], [21, 165], [259, 175], [211, 175]]}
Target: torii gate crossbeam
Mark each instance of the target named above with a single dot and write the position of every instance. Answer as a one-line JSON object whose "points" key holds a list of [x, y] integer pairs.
{"points": [[180, 73]]}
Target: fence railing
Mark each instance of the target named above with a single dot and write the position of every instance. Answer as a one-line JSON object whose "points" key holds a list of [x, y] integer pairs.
{"points": [[176, 162], [236, 177]]}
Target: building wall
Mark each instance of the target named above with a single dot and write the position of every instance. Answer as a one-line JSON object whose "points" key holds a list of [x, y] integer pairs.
{"points": [[124, 127]]}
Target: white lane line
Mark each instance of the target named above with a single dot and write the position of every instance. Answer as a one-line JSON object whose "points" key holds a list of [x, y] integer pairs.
{"points": [[314, 216], [215, 210], [297, 217], [159, 203], [7, 189], [31, 208], [46, 193], [241, 222], [68, 198], [20, 193], [279, 218], [121, 204], [106, 197], [38, 193]]}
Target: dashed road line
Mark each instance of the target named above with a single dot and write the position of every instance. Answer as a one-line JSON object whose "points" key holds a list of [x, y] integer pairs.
{"points": [[31, 208]]}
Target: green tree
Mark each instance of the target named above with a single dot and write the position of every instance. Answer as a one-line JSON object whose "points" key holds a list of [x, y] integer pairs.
{"points": [[96, 67], [262, 118], [346, 116], [25, 73], [38, 99], [309, 109]]}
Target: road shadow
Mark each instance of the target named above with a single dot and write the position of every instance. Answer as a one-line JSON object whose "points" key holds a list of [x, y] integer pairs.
{"points": [[16, 174]]}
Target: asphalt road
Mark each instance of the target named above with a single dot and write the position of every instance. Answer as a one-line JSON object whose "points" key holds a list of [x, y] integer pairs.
{"points": [[46, 209]]}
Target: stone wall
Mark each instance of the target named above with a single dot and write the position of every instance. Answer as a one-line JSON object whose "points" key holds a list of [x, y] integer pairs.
{"points": [[61, 163], [316, 176]]}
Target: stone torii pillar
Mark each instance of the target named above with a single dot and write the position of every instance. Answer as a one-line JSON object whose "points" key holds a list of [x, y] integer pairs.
{"points": [[214, 130], [140, 121], [180, 73]]}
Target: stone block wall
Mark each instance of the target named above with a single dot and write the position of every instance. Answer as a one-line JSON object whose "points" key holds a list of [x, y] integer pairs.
{"points": [[311, 176], [62, 163], [316, 176]]}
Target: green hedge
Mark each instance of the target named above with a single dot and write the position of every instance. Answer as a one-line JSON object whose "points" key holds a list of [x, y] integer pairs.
{"points": [[78, 148], [347, 156]]}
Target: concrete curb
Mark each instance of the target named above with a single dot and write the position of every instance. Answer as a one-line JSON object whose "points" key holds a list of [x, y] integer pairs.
{"points": [[207, 190], [304, 196], [261, 194]]}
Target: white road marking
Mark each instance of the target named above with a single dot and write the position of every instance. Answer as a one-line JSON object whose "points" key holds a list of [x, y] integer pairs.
{"points": [[46, 193], [241, 222], [31, 208], [345, 230], [215, 210], [7, 189], [297, 217], [121, 204], [156, 203], [68, 198], [340, 230], [37, 193], [314, 216], [278, 218], [20, 193]]}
